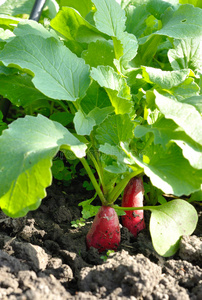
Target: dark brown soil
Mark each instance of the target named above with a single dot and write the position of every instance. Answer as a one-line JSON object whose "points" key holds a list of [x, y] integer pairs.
{"points": [[43, 257]]}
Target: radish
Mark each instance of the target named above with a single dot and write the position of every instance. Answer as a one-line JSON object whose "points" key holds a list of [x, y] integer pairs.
{"points": [[104, 233], [133, 197]]}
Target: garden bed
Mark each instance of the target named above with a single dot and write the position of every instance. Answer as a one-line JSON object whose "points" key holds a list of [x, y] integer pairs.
{"points": [[43, 257]]}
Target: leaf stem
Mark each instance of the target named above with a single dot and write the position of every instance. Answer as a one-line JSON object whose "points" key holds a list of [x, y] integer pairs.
{"points": [[121, 186], [93, 180], [135, 208], [97, 167], [59, 102]]}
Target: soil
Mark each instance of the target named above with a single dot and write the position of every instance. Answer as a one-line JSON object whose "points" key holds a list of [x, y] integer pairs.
{"points": [[43, 257]]}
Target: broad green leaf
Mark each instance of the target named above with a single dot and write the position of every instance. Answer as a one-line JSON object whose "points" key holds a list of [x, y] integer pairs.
{"points": [[50, 9], [196, 3], [168, 169], [165, 79], [18, 7], [26, 151], [114, 151], [158, 7], [99, 53], [186, 54], [130, 45], [186, 89], [63, 117], [6, 35], [8, 22], [109, 17], [184, 115], [73, 26], [19, 89], [83, 8], [96, 96], [8, 71], [83, 123], [191, 151], [196, 101], [169, 222], [183, 23], [58, 73], [115, 129], [197, 196], [99, 114], [166, 130], [108, 78], [32, 27], [140, 15], [116, 87]]}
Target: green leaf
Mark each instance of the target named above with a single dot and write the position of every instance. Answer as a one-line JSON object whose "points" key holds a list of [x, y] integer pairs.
{"points": [[8, 71], [63, 117], [88, 210], [186, 89], [99, 114], [99, 53], [50, 9], [186, 54], [130, 45], [32, 27], [140, 15], [166, 130], [83, 8], [183, 23], [197, 196], [113, 151], [26, 152], [95, 97], [184, 115], [8, 22], [83, 123], [15, 8], [196, 101], [165, 79], [58, 73], [115, 129], [73, 26], [109, 17], [19, 89], [158, 7], [168, 169], [116, 87], [196, 3], [169, 222], [6, 35]]}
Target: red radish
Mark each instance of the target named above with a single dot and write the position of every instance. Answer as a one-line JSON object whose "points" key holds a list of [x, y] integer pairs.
{"points": [[104, 233], [133, 197]]}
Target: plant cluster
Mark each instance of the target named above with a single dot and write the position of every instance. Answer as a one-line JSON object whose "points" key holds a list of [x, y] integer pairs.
{"points": [[115, 84]]}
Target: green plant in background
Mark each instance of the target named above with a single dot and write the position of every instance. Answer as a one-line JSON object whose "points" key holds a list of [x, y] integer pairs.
{"points": [[78, 223], [119, 87], [105, 257]]}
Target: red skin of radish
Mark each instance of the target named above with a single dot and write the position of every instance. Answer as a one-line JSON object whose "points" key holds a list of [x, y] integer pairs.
{"points": [[104, 233], [133, 197]]}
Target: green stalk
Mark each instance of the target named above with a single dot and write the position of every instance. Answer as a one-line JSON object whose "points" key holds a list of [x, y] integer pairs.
{"points": [[121, 186], [62, 105], [135, 208], [93, 180], [97, 167]]}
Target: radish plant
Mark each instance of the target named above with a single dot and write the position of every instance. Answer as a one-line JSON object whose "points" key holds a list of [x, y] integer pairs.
{"points": [[127, 76]]}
